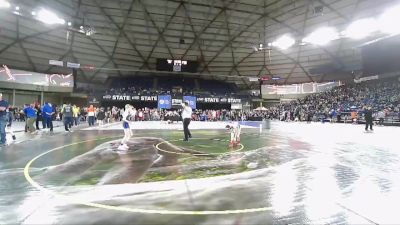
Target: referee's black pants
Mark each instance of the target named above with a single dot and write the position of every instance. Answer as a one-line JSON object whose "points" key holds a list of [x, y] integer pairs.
{"points": [[186, 130], [369, 123]]}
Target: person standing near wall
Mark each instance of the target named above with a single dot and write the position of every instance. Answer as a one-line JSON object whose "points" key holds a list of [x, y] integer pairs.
{"points": [[83, 114], [381, 117], [31, 118], [67, 114], [3, 119], [26, 106], [61, 112], [354, 116], [101, 115], [10, 119], [75, 112], [91, 113], [39, 116], [48, 112]]}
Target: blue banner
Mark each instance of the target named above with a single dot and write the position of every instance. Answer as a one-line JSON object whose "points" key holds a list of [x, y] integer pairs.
{"points": [[164, 101], [192, 101]]}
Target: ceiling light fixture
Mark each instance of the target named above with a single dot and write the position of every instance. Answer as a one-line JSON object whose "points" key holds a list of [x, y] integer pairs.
{"points": [[4, 4], [49, 17], [361, 28], [322, 36], [284, 42], [87, 30], [388, 22]]}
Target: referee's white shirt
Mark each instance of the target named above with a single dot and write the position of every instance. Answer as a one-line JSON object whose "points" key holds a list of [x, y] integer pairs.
{"points": [[187, 112]]}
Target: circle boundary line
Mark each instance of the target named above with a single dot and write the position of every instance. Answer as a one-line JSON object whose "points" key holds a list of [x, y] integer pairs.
{"points": [[121, 208]]}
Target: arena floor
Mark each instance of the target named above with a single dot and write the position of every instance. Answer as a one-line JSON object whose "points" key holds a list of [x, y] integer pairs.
{"points": [[294, 173]]}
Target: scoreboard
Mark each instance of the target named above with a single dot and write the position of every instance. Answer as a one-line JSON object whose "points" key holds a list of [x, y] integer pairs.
{"points": [[177, 65]]}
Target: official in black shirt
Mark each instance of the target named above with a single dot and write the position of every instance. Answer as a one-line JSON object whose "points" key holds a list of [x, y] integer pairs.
{"points": [[39, 116], [368, 118]]}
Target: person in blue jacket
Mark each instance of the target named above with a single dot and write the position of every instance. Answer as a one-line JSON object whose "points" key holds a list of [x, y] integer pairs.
{"points": [[47, 113], [31, 118]]}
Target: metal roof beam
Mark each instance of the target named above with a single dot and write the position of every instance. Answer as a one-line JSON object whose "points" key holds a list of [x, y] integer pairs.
{"points": [[122, 31], [159, 36], [196, 38], [299, 47], [202, 30]]}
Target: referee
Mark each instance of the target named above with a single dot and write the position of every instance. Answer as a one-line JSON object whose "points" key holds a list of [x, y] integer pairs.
{"points": [[186, 117], [368, 118]]}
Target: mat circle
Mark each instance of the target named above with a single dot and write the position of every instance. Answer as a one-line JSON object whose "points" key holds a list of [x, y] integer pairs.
{"points": [[121, 208]]}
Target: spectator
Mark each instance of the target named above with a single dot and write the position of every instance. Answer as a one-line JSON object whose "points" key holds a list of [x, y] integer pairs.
{"points": [[91, 114], [3, 119], [38, 116], [101, 116], [75, 112], [48, 113], [68, 117], [10, 119], [381, 117], [31, 118]]}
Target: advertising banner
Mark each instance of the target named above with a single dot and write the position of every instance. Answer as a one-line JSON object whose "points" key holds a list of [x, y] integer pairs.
{"points": [[129, 98], [164, 102], [40, 79], [177, 102], [191, 100], [174, 101]]}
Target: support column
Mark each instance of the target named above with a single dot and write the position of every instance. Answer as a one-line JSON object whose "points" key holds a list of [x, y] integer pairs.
{"points": [[196, 84], [13, 98], [155, 83], [41, 98]]}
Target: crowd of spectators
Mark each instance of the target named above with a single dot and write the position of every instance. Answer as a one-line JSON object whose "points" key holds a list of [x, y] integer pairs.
{"points": [[171, 86], [135, 90], [343, 102], [113, 114], [177, 91], [339, 104]]}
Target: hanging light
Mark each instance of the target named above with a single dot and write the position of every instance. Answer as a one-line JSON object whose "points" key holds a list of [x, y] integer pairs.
{"points": [[389, 21], [322, 36], [284, 42], [49, 17], [4, 4], [361, 28]]}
